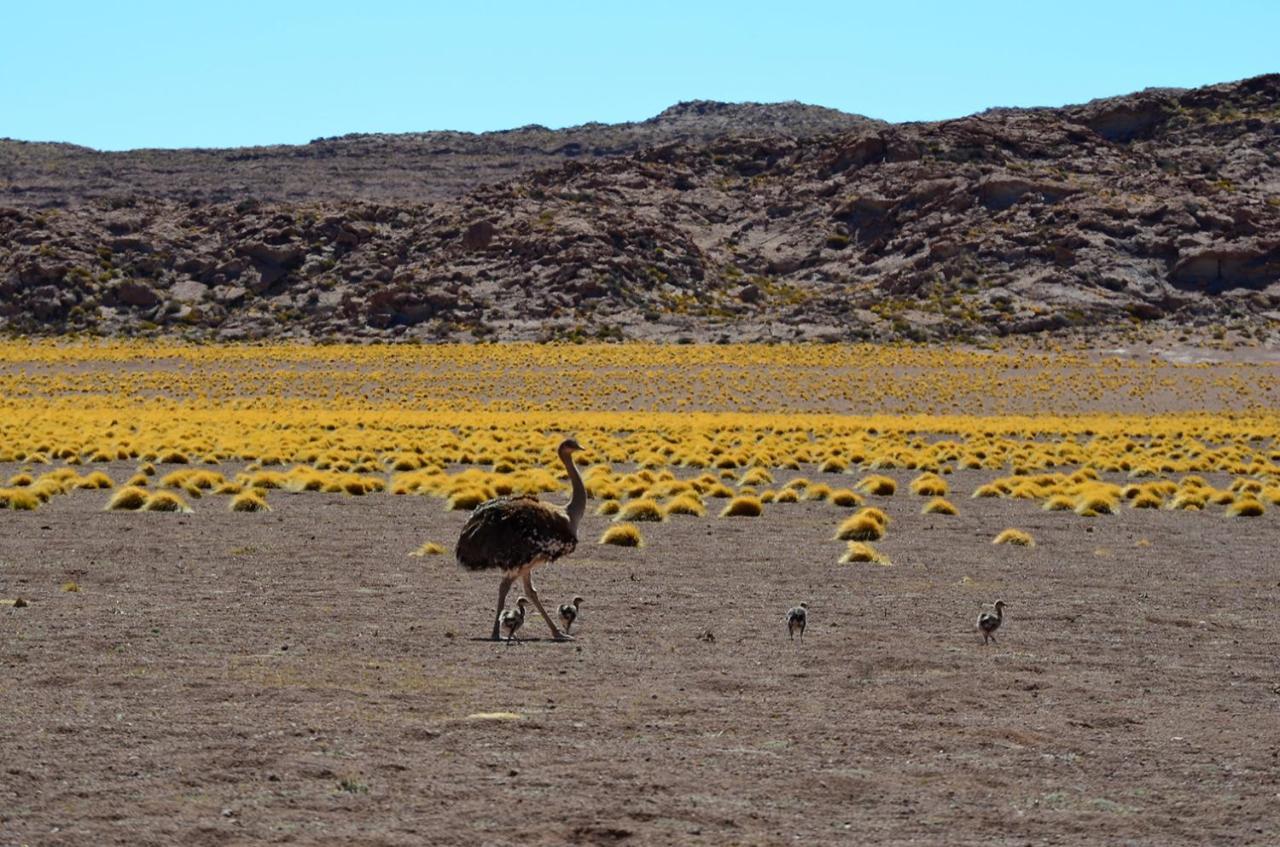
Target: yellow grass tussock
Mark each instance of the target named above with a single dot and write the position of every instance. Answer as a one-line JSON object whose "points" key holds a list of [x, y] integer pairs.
{"points": [[95, 480], [429, 548], [929, 485], [1246, 507], [644, 509], [685, 504], [1059, 503], [20, 480], [19, 499], [130, 498], [608, 507], [880, 486], [249, 501], [743, 507], [939, 506], [860, 527], [622, 535], [845, 498], [1016, 537], [165, 501], [859, 551], [466, 500]]}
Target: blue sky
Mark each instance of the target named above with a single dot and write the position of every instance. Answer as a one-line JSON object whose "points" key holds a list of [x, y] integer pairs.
{"points": [[147, 74]]}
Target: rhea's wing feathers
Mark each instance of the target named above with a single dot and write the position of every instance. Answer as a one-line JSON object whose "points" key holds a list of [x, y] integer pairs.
{"points": [[510, 532]]}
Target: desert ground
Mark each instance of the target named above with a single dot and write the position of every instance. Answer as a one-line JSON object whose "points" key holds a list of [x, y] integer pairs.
{"points": [[295, 676]]}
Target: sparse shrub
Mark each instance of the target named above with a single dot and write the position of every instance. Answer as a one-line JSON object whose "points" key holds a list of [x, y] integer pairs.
{"points": [[130, 498], [608, 507], [929, 485], [249, 501], [859, 551], [820, 491], [466, 500], [1059, 503], [622, 535], [95, 480], [165, 501], [860, 527], [1246, 507], [685, 504], [939, 506], [1014, 536], [845, 498], [743, 507], [644, 509], [880, 486], [18, 499]]}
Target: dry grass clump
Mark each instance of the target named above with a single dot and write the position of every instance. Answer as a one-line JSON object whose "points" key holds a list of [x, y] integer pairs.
{"points": [[743, 507], [1015, 536], [939, 506], [466, 500], [622, 535], [845, 497], [787, 495], [819, 491], [988, 490], [1059, 503], [249, 501], [1191, 500], [429, 548], [929, 485], [1146, 500], [20, 480], [1246, 507], [165, 501], [858, 551], [644, 509], [685, 504], [757, 476], [860, 527], [95, 480], [18, 499], [130, 498], [833, 465], [880, 486], [608, 507], [1092, 504]]}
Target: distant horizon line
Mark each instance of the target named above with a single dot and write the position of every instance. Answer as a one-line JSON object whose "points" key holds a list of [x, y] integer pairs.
{"points": [[632, 122]]}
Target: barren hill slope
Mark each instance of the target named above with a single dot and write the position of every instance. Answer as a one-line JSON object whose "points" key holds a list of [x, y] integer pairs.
{"points": [[1157, 206]]}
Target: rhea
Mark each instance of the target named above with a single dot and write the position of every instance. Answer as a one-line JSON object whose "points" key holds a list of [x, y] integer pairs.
{"points": [[519, 533], [569, 614], [511, 620], [989, 623], [797, 619]]}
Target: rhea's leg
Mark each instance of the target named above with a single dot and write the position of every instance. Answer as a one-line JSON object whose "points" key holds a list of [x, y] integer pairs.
{"points": [[532, 594], [503, 588]]}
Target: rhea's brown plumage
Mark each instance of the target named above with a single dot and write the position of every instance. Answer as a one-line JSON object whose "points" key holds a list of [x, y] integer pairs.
{"points": [[517, 534]]}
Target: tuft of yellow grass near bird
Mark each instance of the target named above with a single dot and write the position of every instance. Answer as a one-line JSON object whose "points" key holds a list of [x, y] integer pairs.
{"points": [[428, 548], [622, 535], [1016, 537], [644, 509]]}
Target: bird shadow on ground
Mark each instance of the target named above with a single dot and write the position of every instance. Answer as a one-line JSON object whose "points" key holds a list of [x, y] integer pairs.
{"points": [[482, 640]]}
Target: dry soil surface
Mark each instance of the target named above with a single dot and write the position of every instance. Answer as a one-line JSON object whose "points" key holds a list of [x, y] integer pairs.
{"points": [[295, 676]]}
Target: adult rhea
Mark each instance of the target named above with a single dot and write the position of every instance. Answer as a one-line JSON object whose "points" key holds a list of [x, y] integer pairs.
{"points": [[517, 534]]}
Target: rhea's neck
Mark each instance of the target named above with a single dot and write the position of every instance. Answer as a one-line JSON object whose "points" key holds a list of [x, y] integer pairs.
{"points": [[578, 502]]}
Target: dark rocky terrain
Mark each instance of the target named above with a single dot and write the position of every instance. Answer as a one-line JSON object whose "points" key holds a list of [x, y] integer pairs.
{"points": [[708, 222]]}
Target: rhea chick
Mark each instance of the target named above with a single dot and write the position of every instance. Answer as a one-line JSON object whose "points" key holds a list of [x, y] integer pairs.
{"points": [[989, 623], [797, 618], [512, 619], [569, 614]]}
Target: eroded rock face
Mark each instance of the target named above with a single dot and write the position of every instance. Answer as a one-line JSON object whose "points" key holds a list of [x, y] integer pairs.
{"points": [[1160, 206]]}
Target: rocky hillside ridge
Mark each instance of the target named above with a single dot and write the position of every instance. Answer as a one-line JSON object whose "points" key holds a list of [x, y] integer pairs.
{"points": [[1160, 206], [381, 168]]}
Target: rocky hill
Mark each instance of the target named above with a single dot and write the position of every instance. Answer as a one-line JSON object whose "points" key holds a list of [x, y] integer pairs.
{"points": [[710, 221]]}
